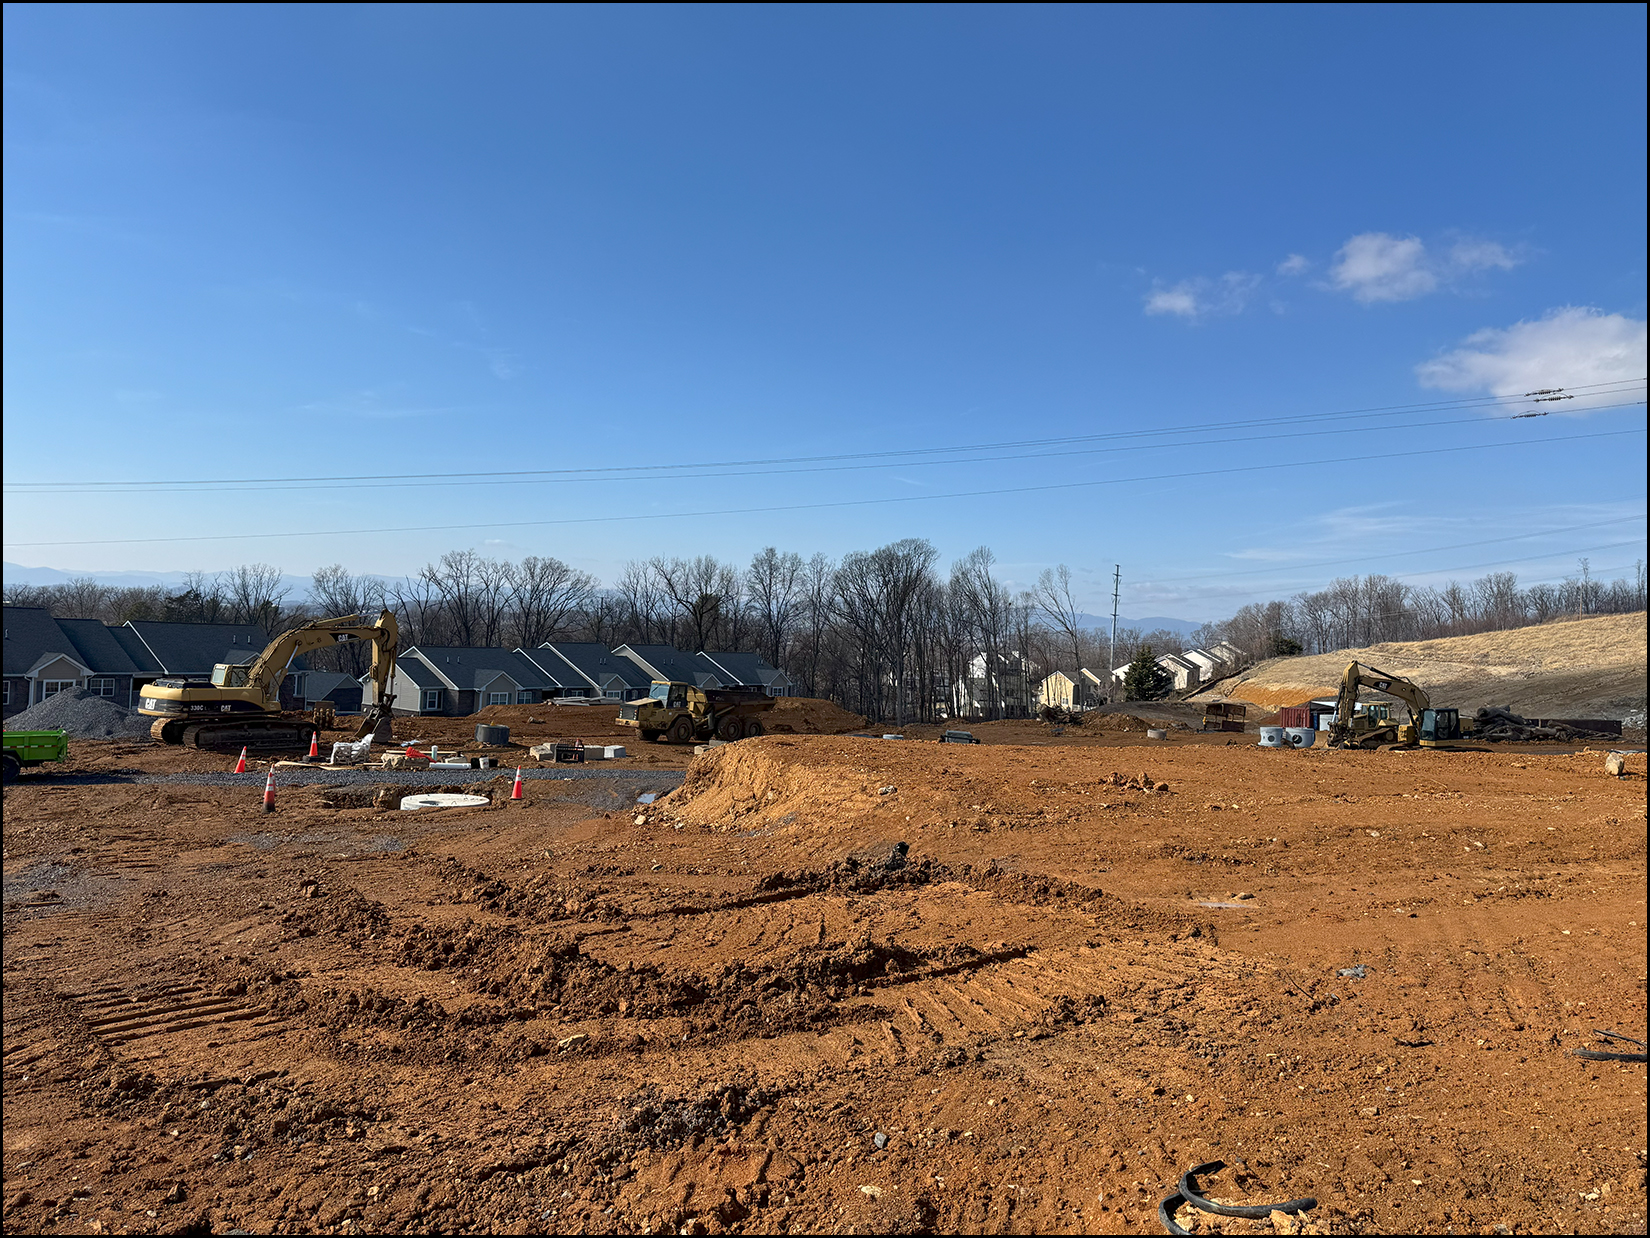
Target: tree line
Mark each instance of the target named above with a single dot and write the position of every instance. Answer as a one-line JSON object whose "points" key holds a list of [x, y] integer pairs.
{"points": [[886, 632], [1356, 611]]}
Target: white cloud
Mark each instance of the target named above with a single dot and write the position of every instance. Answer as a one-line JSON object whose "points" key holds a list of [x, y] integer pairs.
{"points": [[1179, 299], [1202, 298], [1570, 347], [1294, 264], [1474, 255], [1377, 266]]}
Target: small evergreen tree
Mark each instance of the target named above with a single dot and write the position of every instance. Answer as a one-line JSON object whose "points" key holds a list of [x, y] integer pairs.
{"points": [[1145, 680]]}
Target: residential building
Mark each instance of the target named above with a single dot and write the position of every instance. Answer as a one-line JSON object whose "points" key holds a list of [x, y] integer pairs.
{"points": [[1210, 665], [44, 656], [750, 670], [1186, 674], [343, 692], [1071, 689], [592, 669], [996, 686], [456, 681], [673, 666]]}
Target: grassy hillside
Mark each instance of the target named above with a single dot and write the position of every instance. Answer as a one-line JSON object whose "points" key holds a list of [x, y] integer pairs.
{"points": [[1579, 668]]}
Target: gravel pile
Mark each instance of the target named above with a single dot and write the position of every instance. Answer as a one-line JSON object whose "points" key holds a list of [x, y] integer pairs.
{"points": [[83, 715]]}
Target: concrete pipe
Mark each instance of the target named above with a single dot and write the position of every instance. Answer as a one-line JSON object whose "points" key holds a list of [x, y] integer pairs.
{"points": [[1271, 737], [1299, 736]]}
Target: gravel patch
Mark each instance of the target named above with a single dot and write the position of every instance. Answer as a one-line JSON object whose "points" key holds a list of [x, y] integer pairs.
{"points": [[629, 782], [83, 715]]}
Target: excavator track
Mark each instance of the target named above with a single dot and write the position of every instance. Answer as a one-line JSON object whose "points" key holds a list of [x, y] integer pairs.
{"points": [[253, 734]]}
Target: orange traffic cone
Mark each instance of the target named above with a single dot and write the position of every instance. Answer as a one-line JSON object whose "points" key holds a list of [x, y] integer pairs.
{"points": [[515, 791], [314, 743], [269, 791], [240, 765]]}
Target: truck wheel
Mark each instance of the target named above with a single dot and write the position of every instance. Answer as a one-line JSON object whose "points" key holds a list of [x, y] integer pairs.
{"points": [[14, 768], [731, 728], [753, 728], [681, 731]]}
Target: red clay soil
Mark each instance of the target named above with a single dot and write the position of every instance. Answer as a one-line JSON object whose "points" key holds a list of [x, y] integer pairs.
{"points": [[1355, 976]]}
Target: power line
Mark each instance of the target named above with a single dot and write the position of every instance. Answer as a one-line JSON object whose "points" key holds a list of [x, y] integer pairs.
{"points": [[1619, 386], [839, 503], [833, 468]]}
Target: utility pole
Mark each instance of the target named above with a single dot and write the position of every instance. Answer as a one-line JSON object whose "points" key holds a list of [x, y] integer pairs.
{"points": [[1116, 587]]}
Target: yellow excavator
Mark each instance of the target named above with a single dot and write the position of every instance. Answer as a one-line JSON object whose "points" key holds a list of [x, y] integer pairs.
{"points": [[240, 706], [1427, 726]]}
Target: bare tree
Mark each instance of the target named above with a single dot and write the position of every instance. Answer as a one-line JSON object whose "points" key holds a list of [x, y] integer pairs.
{"points": [[548, 595], [698, 588], [253, 593], [775, 584], [642, 603], [1054, 599], [333, 593]]}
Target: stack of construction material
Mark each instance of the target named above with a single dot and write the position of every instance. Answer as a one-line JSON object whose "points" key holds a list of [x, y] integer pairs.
{"points": [[1497, 723], [1224, 716]]}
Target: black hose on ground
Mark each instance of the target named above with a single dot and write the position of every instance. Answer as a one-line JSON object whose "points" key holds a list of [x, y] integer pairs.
{"points": [[1599, 1055], [1258, 1212], [1166, 1211]]}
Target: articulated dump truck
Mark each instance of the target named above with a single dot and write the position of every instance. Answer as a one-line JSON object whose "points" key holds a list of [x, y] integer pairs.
{"points": [[680, 713]]}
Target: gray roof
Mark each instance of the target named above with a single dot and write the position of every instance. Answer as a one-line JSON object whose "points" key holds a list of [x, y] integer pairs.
{"points": [[32, 633], [595, 662], [750, 669], [318, 684], [474, 669], [415, 672], [195, 648], [665, 662]]}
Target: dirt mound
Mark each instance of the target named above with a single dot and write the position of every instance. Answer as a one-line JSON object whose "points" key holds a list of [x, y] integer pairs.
{"points": [[1577, 668], [1095, 721], [84, 715], [809, 716], [599, 717]]}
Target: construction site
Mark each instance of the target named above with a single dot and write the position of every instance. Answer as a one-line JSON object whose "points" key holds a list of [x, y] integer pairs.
{"points": [[834, 978]]}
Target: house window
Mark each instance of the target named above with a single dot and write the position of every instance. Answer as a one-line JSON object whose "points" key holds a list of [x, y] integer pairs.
{"points": [[7, 700], [432, 699], [51, 687], [613, 694], [101, 687], [498, 698], [525, 698]]}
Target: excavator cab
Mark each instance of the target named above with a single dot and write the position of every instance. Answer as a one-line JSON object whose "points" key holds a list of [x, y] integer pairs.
{"points": [[1439, 725], [225, 676]]}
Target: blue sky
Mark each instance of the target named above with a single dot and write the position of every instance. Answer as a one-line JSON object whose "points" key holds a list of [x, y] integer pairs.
{"points": [[278, 242]]}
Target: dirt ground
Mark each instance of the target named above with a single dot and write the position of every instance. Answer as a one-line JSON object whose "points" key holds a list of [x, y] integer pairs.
{"points": [[834, 984]]}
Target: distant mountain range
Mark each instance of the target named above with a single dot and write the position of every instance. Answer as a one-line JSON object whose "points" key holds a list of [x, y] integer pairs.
{"points": [[17, 574], [1180, 627]]}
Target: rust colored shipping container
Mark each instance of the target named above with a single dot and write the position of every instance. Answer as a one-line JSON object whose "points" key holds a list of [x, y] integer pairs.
{"points": [[1295, 715]]}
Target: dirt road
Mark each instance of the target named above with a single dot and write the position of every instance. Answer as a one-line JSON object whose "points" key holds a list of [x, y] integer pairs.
{"points": [[746, 1007]]}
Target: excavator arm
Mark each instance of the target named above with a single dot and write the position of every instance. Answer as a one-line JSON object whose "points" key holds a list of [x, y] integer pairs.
{"points": [[1360, 676], [267, 672]]}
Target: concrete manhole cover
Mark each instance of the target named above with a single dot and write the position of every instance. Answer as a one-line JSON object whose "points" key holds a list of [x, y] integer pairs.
{"points": [[442, 799]]}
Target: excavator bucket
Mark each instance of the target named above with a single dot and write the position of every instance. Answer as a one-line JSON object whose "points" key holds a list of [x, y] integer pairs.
{"points": [[376, 722]]}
